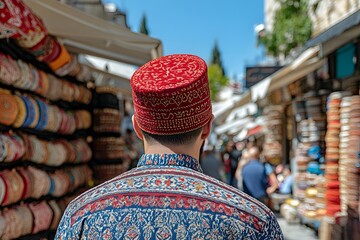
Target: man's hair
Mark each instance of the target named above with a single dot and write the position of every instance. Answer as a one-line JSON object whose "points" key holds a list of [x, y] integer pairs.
{"points": [[175, 139], [254, 153]]}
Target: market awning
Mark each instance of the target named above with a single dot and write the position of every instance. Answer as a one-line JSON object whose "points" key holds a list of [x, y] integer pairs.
{"points": [[222, 113], [252, 128], [242, 112], [83, 33], [110, 79], [254, 131], [306, 63], [233, 126]]}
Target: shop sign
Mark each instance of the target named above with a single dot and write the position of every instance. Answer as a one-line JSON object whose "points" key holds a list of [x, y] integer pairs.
{"points": [[256, 74]]}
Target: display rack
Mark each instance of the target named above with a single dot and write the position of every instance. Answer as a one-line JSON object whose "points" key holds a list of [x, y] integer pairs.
{"points": [[111, 156], [71, 170]]}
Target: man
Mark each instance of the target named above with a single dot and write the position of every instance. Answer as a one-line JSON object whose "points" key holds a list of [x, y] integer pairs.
{"points": [[255, 182], [231, 158], [272, 179], [211, 163], [167, 196], [238, 174]]}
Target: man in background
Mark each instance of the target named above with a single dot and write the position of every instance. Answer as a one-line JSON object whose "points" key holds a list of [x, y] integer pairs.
{"points": [[255, 181], [211, 162], [230, 158]]}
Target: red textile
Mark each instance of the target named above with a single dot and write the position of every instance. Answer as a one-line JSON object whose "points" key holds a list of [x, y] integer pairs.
{"points": [[171, 95], [17, 21]]}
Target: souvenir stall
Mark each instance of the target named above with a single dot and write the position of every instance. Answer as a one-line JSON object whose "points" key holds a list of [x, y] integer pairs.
{"points": [[112, 155], [44, 126], [272, 147], [310, 162], [327, 179], [342, 152]]}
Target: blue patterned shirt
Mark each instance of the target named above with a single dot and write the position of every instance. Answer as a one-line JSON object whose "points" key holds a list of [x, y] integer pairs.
{"points": [[167, 197]]}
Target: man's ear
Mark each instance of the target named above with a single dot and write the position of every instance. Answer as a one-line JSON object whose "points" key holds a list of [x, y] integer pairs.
{"points": [[206, 130], [137, 129]]}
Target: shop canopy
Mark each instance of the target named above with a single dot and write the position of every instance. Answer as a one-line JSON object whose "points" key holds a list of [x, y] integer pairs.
{"points": [[222, 109], [86, 34], [306, 63]]}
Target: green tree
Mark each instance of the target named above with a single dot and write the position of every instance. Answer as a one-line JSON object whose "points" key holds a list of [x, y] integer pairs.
{"points": [[292, 28], [143, 26], [217, 80], [216, 58]]}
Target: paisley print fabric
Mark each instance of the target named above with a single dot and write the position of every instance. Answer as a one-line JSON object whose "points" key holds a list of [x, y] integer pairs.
{"points": [[166, 197]]}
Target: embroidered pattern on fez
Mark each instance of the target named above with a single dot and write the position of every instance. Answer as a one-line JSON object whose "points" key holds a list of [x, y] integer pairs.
{"points": [[171, 95]]}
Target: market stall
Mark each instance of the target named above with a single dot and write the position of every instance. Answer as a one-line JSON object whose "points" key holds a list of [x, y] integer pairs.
{"points": [[51, 114]]}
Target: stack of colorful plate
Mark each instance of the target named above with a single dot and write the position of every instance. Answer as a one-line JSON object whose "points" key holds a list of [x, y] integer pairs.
{"points": [[299, 108], [302, 161], [313, 106], [324, 97], [30, 218], [309, 132], [333, 153], [273, 134], [320, 197], [310, 202], [344, 149], [107, 120], [316, 112], [350, 175]]}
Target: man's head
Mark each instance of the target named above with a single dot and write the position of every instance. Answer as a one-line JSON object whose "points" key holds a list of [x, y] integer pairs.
{"points": [[172, 104], [286, 171], [229, 146], [254, 153], [245, 155]]}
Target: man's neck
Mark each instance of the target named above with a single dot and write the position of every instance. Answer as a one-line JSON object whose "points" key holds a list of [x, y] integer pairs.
{"points": [[161, 149]]}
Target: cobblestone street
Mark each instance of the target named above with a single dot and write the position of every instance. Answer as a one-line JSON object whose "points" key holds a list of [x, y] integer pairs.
{"points": [[296, 231]]}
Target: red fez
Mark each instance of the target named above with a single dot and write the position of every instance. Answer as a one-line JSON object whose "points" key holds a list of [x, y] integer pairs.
{"points": [[171, 95]]}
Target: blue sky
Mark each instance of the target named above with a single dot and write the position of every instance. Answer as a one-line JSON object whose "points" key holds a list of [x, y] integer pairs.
{"points": [[193, 26]]}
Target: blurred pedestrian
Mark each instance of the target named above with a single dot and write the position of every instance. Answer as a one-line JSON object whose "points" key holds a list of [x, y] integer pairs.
{"points": [[211, 162], [272, 177], [238, 174], [167, 196], [287, 183], [231, 157], [255, 181]]}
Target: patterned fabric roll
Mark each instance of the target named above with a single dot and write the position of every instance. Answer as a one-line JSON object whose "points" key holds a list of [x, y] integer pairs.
{"points": [[2, 192], [9, 70], [24, 213], [3, 150], [8, 108], [43, 85], [40, 184], [14, 147], [61, 183], [14, 186], [21, 116], [52, 52], [27, 179], [32, 111], [2, 226], [57, 214], [42, 216], [12, 223], [62, 59], [43, 114]]}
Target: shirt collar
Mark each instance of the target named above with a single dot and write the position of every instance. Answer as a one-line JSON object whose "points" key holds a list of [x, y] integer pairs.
{"points": [[180, 160]]}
